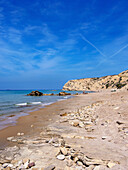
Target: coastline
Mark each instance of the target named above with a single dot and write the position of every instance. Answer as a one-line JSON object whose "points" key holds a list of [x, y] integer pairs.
{"points": [[103, 138], [24, 122]]}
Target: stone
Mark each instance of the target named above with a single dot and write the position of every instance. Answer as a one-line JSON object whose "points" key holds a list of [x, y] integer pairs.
{"points": [[61, 157], [63, 151], [10, 138], [79, 163], [26, 164], [21, 167], [81, 124], [76, 159], [69, 163], [97, 168], [119, 123], [5, 165], [50, 167], [63, 114], [75, 123], [10, 165], [64, 93], [31, 164], [35, 93], [111, 164]]}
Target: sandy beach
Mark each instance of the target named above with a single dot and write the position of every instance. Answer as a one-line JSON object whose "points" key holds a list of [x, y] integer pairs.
{"points": [[85, 132]]}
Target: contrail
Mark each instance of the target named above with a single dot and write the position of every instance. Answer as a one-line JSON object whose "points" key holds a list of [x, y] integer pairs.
{"points": [[85, 39], [119, 51]]}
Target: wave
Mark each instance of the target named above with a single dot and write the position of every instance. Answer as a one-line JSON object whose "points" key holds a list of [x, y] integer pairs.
{"points": [[21, 104], [34, 103], [45, 104]]}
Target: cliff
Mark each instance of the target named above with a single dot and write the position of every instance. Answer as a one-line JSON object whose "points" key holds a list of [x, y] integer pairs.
{"points": [[98, 83]]}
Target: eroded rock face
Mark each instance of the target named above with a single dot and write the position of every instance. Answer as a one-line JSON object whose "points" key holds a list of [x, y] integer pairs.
{"points": [[35, 93], [98, 83]]}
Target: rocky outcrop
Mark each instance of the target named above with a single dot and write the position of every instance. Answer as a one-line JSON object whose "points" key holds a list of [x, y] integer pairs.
{"points": [[64, 93], [98, 83], [35, 93]]}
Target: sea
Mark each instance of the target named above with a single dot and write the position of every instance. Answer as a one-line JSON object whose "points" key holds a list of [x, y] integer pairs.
{"points": [[15, 103]]}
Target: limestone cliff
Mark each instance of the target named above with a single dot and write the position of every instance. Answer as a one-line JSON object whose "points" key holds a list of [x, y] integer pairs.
{"points": [[98, 83]]}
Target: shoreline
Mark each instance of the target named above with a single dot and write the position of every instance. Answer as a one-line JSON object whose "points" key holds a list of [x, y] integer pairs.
{"points": [[11, 119], [91, 126], [13, 129]]}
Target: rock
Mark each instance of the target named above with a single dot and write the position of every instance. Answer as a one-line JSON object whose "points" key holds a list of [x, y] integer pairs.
{"points": [[69, 163], [31, 164], [97, 168], [5, 165], [21, 167], [63, 114], [111, 164], [75, 123], [64, 93], [10, 138], [81, 125], [61, 157], [76, 159], [10, 165], [20, 134], [51, 94], [63, 151], [26, 164], [119, 123], [79, 163], [50, 167], [35, 93], [12, 149], [26, 160]]}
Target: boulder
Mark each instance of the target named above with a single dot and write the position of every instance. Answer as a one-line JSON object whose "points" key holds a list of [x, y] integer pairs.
{"points": [[35, 93], [64, 93]]}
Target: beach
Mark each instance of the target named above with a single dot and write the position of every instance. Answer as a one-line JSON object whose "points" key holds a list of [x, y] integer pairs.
{"points": [[87, 131]]}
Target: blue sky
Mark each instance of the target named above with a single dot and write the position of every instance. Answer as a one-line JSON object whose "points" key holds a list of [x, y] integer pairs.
{"points": [[44, 43]]}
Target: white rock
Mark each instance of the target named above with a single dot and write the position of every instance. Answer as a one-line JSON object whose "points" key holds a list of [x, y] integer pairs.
{"points": [[26, 164], [111, 164], [10, 138], [61, 157], [5, 165], [63, 150], [10, 165]]}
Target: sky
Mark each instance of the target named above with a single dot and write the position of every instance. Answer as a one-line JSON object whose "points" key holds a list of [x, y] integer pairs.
{"points": [[45, 43]]}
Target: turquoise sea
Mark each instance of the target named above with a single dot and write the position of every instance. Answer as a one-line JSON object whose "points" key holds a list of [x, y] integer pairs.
{"points": [[15, 103]]}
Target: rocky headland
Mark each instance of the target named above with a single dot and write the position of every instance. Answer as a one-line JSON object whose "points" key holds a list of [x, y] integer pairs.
{"points": [[98, 83]]}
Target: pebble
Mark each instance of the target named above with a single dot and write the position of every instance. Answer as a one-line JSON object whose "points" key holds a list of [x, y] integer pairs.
{"points": [[31, 164], [64, 151], [79, 163], [10, 138], [111, 164], [61, 157]]}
